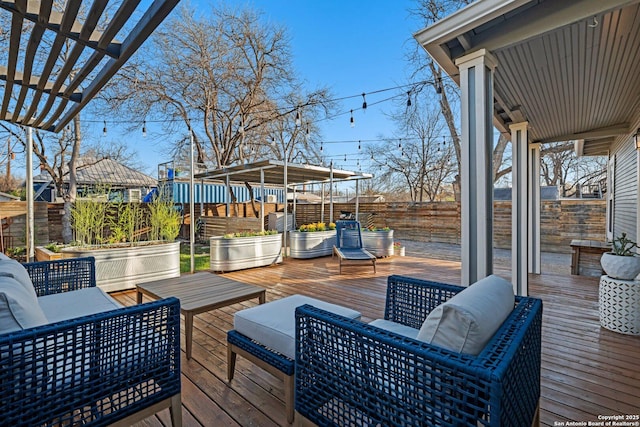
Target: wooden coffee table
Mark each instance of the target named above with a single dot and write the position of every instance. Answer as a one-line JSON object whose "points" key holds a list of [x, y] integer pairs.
{"points": [[199, 293]]}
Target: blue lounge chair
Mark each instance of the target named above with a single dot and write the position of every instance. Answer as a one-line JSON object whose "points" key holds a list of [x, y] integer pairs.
{"points": [[349, 244]]}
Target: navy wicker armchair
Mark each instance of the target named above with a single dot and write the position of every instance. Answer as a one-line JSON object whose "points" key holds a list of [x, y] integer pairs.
{"points": [[110, 367], [351, 373]]}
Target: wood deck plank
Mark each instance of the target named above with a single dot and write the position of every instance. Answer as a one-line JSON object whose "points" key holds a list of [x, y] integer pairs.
{"points": [[586, 370]]}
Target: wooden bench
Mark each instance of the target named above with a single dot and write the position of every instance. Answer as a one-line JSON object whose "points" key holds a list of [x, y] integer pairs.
{"points": [[585, 257]]}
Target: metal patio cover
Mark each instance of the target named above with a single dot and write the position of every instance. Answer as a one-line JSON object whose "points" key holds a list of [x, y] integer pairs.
{"points": [[568, 67], [273, 172], [45, 91]]}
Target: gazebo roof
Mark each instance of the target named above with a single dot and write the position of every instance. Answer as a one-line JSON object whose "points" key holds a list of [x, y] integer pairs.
{"points": [[45, 89], [274, 170]]}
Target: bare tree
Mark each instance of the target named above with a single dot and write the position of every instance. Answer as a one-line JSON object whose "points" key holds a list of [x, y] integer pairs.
{"points": [[559, 166], [422, 157], [228, 78], [447, 94]]}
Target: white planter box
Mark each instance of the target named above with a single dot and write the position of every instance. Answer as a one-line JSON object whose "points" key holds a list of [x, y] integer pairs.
{"points": [[119, 268], [379, 242], [245, 252], [311, 244]]}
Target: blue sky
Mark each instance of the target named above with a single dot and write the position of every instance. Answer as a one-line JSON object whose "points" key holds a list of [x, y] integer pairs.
{"points": [[350, 47]]}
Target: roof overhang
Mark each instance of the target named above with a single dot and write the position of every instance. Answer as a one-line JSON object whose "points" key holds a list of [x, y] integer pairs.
{"points": [[273, 172], [45, 89], [568, 67]]}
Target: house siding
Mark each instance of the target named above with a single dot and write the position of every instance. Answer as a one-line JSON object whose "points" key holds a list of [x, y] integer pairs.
{"points": [[626, 189]]}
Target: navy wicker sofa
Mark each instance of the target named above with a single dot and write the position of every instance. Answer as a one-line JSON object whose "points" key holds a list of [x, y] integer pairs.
{"points": [[110, 367], [349, 373]]}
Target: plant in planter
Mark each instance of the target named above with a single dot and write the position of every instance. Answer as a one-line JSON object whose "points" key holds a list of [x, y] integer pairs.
{"points": [[131, 243], [312, 240], [622, 262], [398, 249]]}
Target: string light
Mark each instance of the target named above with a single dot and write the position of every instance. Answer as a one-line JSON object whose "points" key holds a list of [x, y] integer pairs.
{"points": [[351, 121], [345, 157], [104, 129], [359, 147], [409, 98], [298, 118], [144, 128], [438, 85], [364, 101], [321, 147], [400, 144]]}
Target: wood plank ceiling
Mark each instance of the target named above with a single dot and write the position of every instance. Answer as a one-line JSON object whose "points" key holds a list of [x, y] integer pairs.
{"points": [[56, 57], [570, 68]]}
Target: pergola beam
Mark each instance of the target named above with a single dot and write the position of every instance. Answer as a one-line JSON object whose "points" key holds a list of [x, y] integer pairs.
{"points": [[149, 22], [54, 23]]}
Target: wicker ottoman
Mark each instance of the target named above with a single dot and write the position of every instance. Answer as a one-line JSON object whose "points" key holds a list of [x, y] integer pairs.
{"points": [[265, 335]]}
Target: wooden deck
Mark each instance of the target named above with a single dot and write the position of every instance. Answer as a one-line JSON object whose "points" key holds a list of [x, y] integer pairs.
{"points": [[587, 371]]}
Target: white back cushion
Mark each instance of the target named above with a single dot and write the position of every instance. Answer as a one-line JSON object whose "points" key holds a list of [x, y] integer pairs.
{"points": [[467, 321], [12, 268], [19, 309]]}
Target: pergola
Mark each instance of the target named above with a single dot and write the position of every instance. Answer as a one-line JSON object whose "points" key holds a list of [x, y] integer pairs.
{"points": [[58, 56], [541, 71], [288, 175]]}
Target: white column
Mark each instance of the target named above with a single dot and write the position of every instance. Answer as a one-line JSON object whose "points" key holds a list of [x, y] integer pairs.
{"points": [[476, 85], [534, 208], [519, 208], [30, 227], [192, 202]]}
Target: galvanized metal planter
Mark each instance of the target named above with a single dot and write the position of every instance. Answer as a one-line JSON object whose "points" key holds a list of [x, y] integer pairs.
{"points": [[119, 268], [379, 242], [239, 253], [311, 244]]}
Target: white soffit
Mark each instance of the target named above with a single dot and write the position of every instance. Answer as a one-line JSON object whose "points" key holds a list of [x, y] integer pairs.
{"points": [[570, 68]]}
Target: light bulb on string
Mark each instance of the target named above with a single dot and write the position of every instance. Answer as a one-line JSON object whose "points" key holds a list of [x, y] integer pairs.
{"points": [[364, 101], [351, 121], [273, 141], [298, 118], [359, 146], [144, 128], [400, 144], [104, 129], [438, 86], [345, 158], [408, 98], [308, 130], [321, 148]]}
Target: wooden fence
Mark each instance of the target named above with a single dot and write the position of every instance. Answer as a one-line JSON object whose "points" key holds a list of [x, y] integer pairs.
{"points": [[561, 220]]}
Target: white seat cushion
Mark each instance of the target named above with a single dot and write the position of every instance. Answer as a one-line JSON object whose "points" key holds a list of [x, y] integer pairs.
{"points": [[274, 325], [19, 308], [69, 305], [397, 328], [467, 321]]}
